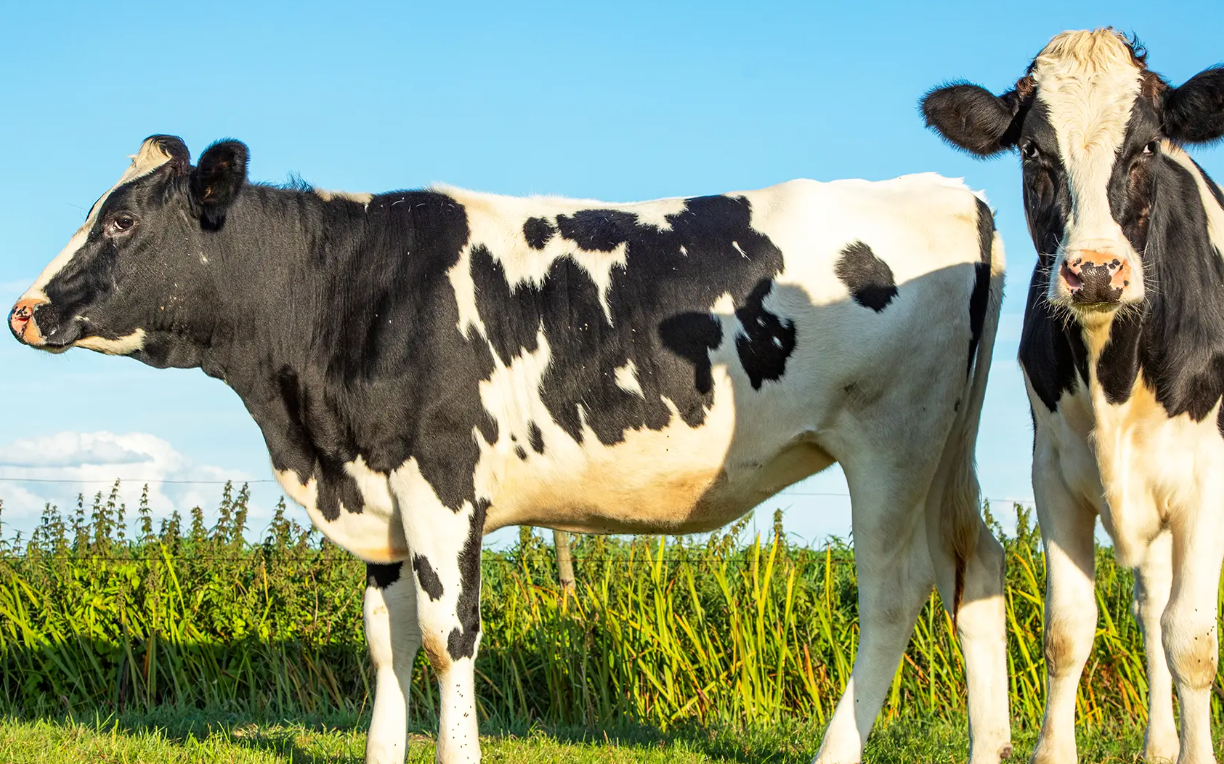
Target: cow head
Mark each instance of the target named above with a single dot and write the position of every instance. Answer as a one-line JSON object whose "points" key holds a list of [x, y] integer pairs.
{"points": [[1092, 125], [123, 283]]}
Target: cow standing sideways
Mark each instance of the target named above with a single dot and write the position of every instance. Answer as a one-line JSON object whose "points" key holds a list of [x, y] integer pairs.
{"points": [[428, 366], [1123, 353]]}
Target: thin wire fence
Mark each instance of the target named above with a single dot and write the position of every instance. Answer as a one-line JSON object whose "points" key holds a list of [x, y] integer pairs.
{"points": [[169, 481]]}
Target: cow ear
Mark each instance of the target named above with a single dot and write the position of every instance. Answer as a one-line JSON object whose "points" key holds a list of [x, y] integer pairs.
{"points": [[1194, 112], [972, 118], [217, 180]]}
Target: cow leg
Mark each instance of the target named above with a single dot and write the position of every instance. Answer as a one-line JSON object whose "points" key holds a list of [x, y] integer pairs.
{"points": [[445, 548], [1189, 627], [894, 580], [1067, 529], [1153, 579], [982, 631], [393, 636]]}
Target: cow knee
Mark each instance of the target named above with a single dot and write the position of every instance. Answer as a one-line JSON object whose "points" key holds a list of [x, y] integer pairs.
{"points": [[435, 652], [1190, 644], [1068, 641]]}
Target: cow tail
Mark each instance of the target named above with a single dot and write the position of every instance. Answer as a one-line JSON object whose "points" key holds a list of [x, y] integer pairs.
{"points": [[959, 513]]}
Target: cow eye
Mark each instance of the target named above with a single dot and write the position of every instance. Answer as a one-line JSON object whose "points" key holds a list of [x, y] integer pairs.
{"points": [[1029, 150], [123, 223], [1152, 147]]}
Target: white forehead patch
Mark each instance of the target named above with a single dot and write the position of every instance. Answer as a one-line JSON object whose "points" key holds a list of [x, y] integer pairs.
{"points": [[1088, 82], [146, 160]]}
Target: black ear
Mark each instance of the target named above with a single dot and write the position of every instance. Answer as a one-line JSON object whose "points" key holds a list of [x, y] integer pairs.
{"points": [[1194, 112], [972, 118], [216, 181]]}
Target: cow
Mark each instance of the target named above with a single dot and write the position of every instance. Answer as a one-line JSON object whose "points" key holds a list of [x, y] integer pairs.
{"points": [[1123, 355], [428, 366]]}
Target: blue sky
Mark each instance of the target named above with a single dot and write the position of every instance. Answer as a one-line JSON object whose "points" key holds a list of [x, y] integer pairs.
{"points": [[619, 101]]}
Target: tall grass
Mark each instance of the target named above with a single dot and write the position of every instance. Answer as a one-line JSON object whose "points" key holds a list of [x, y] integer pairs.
{"points": [[659, 631]]}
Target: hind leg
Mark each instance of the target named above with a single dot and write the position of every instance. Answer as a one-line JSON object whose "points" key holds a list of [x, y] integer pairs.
{"points": [[894, 580], [393, 637], [981, 629]]}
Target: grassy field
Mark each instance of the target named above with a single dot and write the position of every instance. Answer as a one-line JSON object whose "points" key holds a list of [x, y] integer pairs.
{"points": [[187, 638], [178, 738]]}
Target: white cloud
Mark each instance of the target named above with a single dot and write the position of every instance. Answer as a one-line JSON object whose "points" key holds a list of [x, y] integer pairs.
{"points": [[81, 449], [55, 468]]}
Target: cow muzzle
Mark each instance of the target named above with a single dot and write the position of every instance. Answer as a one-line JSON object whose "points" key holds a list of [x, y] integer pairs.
{"points": [[23, 325], [1091, 277]]}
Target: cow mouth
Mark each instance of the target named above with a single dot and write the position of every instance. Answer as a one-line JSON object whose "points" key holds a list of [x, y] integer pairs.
{"points": [[1079, 303], [1096, 305]]}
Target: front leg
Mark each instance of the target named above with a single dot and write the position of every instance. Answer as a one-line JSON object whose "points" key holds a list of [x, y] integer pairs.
{"points": [[445, 550], [1190, 625], [1153, 579], [1071, 614], [393, 636]]}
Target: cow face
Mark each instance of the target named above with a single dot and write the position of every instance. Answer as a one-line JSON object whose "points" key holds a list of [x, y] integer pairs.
{"points": [[132, 275], [1091, 124]]}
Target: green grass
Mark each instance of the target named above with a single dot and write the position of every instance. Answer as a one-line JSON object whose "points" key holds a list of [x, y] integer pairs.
{"points": [[666, 634], [170, 737]]}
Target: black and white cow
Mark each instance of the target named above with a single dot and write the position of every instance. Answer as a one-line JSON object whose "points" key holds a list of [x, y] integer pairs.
{"points": [[1123, 353], [427, 366]]}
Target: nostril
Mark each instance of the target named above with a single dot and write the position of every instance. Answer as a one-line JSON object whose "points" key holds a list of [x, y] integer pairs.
{"points": [[1071, 278]]}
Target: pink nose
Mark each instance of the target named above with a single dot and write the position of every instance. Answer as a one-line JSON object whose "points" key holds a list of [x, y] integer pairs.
{"points": [[21, 322], [1092, 276]]}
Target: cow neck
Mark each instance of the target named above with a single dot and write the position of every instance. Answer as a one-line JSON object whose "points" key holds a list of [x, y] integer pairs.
{"points": [[266, 256], [289, 255], [355, 330]]}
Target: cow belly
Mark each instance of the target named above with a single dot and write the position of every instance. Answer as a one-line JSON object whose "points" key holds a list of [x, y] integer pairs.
{"points": [[679, 479], [658, 501]]}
